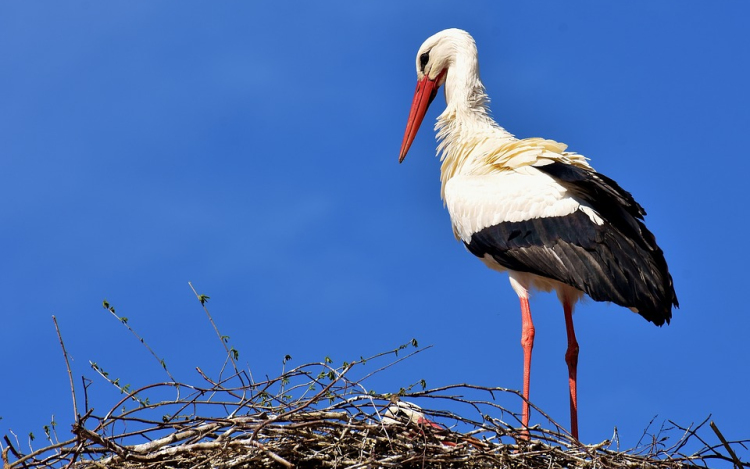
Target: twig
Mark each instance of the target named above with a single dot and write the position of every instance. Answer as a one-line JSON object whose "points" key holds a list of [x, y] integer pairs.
{"points": [[394, 362], [202, 300], [86, 383], [271, 454], [124, 322], [10, 446], [735, 459], [305, 404], [67, 366]]}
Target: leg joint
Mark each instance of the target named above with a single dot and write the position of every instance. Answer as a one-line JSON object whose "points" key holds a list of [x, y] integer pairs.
{"points": [[527, 336], [571, 355]]}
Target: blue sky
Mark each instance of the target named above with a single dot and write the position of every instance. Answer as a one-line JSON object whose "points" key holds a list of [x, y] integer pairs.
{"points": [[252, 149]]}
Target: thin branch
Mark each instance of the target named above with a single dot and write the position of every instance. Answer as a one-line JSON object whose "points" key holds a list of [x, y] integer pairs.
{"points": [[735, 459], [202, 299], [124, 322], [67, 366]]}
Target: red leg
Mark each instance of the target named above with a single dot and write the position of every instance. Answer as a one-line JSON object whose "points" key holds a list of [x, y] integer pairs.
{"points": [[571, 358], [527, 342]]}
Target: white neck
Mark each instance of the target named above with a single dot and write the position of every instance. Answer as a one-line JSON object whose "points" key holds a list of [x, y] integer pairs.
{"points": [[465, 130]]}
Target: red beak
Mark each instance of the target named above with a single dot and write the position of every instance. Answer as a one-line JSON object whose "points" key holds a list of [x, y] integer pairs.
{"points": [[423, 96]]}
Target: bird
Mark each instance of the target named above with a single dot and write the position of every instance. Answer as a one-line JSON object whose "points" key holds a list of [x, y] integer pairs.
{"points": [[532, 209]]}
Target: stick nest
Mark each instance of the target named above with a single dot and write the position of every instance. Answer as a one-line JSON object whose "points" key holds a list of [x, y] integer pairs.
{"points": [[318, 415]]}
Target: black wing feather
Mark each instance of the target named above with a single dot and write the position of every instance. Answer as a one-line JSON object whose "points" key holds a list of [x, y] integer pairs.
{"points": [[618, 261]]}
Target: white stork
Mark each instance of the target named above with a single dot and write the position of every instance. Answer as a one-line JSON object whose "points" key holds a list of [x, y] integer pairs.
{"points": [[534, 210]]}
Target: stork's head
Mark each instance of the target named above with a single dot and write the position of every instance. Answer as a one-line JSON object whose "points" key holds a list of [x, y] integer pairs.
{"points": [[434, 60]]}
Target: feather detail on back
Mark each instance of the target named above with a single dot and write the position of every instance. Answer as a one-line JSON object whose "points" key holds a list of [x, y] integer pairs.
{"points": [[482, 147]]}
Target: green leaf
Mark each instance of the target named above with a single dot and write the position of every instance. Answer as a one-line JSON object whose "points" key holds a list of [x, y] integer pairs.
{"points": [[423, 383], [328, 360], [235, 353], [123, 320], [287, 358], [105, 304], [203, 299], [31, 436], [414, 343]]}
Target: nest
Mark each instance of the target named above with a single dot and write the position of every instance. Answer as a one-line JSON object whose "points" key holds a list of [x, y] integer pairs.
{"points": [[320, 415]]}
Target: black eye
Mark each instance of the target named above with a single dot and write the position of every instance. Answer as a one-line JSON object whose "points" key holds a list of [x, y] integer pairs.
{"points": [[423, 59]]}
